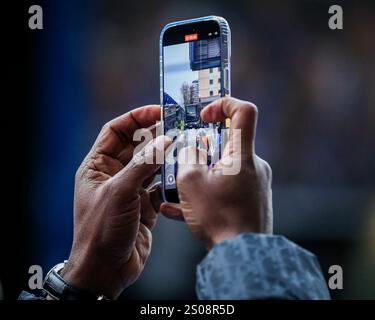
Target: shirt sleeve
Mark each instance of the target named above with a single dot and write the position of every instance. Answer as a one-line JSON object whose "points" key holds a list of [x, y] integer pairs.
{"points": [[24, 295], [258, 266]]}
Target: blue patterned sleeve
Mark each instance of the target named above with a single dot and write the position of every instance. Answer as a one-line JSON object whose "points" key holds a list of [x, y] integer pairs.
{"points": [[258, 266], [24, 295]]}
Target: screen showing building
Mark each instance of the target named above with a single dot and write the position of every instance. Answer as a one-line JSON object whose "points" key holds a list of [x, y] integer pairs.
{"points": [[191, 81]]}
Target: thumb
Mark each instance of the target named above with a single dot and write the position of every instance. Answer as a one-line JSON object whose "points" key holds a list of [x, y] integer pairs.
{"points": [[192, 168], [143, 164]]}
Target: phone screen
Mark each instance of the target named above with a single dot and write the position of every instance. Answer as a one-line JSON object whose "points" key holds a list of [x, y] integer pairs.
{"points": [[192, 78]]}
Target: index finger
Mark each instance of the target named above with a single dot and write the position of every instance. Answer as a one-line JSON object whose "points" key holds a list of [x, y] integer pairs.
{"points": [[242, 114], [117, 134]]}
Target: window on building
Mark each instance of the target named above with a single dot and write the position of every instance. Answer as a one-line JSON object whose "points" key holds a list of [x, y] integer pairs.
{"points": [[205, 54], [211, 93], [211, 81]]}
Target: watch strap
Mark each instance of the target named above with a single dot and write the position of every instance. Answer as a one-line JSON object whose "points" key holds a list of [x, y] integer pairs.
{"points": [[55, 285]]}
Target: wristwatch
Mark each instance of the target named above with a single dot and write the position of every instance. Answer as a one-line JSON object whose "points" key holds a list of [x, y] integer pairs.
{"points": [[55, 285]]}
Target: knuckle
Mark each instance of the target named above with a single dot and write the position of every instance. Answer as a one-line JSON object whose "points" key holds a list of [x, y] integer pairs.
{"points": [[266, 169], [99, 160], [106, 126], [249, 109], [227, 100]]}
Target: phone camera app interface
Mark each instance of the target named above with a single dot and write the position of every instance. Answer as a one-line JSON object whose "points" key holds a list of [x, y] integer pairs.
{"points": [[192, 80]]}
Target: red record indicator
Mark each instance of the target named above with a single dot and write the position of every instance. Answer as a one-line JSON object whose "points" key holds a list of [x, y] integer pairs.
{"points": [[191, 37]]}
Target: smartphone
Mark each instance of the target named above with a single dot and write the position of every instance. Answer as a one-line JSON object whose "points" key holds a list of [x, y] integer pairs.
{"points": [[194, 71]]}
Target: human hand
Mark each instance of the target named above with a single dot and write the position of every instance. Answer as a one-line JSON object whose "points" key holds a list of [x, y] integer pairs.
{"points": [[216, 206], [113, 211]]}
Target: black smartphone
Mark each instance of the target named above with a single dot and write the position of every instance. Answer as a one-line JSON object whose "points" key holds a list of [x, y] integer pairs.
{"points": [[194, 71]]}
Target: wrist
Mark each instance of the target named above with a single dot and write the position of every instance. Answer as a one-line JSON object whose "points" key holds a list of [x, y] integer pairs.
{"points": [[230, 233], [57, 288], [92, 278]]}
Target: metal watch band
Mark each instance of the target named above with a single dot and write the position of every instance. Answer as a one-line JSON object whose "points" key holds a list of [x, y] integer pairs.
{"points": [[59, 289]]}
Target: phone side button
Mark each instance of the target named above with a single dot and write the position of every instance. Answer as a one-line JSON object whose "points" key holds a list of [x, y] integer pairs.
{"points": [[226, 79]]}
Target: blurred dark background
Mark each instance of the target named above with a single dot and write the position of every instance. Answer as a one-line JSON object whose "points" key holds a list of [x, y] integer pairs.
{"points": [[94, 60]]}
